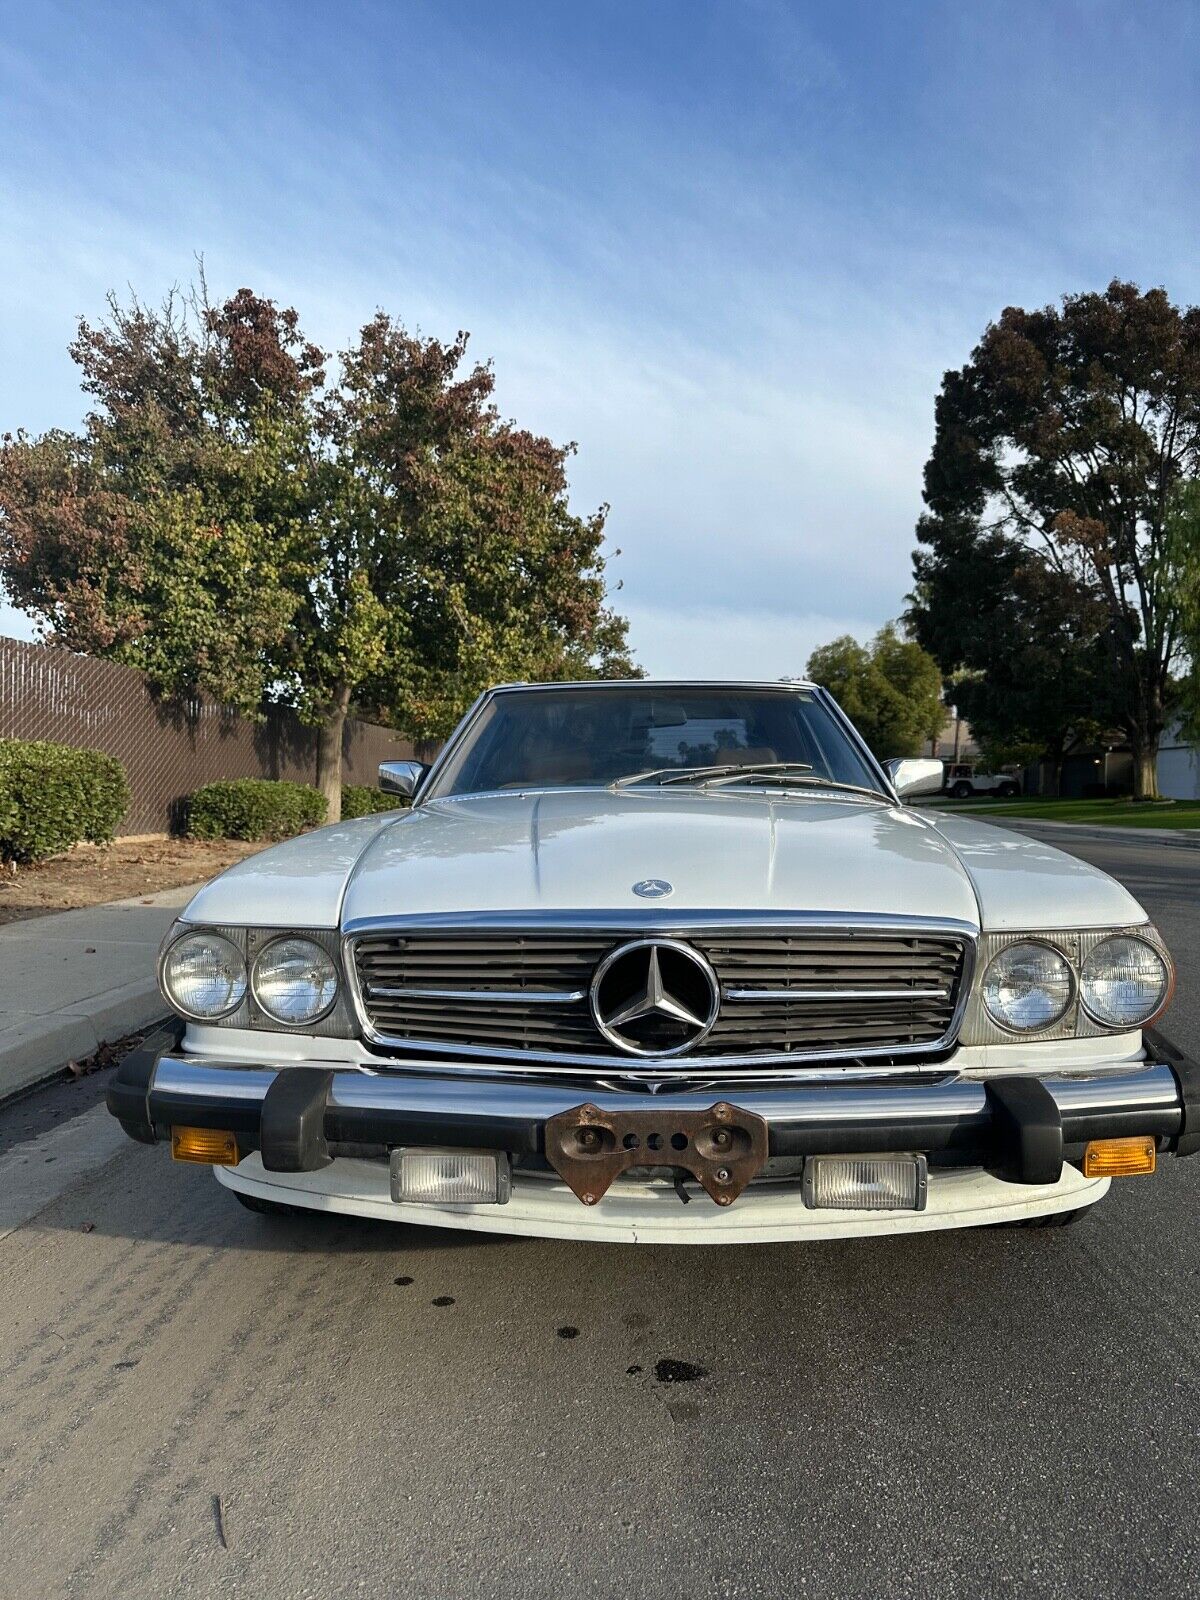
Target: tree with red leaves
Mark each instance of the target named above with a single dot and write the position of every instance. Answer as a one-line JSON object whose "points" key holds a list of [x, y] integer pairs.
{"points": [[234, 523], [162, 535]]}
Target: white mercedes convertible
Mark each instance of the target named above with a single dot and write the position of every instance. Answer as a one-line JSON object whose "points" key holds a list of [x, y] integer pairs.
{"points": [[665, 962]]}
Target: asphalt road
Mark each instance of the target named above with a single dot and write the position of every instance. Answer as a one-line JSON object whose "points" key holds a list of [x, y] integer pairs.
{"points": [[198, 1401]]}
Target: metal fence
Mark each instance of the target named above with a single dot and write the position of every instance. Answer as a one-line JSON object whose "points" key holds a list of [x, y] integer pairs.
{"points": [[167, 751]]}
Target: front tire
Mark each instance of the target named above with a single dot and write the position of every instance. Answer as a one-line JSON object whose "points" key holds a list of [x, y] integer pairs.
{"points": [[1006, 791]]}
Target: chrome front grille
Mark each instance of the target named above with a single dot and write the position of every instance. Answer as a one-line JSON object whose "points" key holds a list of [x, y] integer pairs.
{"points": [[787, 995], [511, 991], [818, 993]]}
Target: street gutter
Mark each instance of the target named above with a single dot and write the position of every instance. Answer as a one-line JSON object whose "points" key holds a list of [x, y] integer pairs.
{"points": [[74, 981], [1182, 838]]}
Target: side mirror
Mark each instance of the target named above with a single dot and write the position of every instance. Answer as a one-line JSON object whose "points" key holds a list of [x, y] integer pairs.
{"points": [[401, 777], [913, 775]]}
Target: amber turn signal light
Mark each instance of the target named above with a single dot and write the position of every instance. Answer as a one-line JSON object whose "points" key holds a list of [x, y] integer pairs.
{"points": [[214, 1146], [1118, 1158]]}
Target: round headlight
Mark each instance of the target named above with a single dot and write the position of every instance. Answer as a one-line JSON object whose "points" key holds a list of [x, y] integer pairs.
{"points": [[204, 976], [1123, 982], [294, 981], [1027, 986]]}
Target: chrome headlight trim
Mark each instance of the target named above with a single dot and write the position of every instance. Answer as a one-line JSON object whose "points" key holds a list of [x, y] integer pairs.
{"points": [[336, 1022], [1168, 982], [1069, 971], [291, 1023], [1075, 944], [193, 936]]}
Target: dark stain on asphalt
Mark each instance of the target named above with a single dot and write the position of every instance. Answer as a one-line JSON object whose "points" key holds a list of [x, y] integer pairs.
{"points": [[636, 1319], [402, 1281], [123, 1366], [568, 1332], [219, 1522], [444, 1300], [631, 1371], [668, 1371]]}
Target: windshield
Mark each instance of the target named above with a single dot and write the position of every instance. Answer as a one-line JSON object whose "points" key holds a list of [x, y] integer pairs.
{"points": [[567, 738]]}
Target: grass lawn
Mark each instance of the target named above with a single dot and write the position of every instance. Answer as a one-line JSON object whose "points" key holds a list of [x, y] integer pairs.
{"points": [[1114, 813]]}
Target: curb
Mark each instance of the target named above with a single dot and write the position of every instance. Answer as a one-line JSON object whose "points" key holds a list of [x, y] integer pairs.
{"points": [[36, 1047], [1181, 838], [40, 1048]]}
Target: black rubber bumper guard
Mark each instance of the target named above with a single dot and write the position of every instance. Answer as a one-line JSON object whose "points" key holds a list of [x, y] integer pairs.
{"points": [[1187, 1076], [293, 1125]]}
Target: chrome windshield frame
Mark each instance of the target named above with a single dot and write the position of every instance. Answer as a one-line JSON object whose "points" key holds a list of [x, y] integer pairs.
{"points": [[428, 789]]}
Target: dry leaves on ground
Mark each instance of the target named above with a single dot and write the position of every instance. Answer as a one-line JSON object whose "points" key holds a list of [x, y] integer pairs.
{"points": [[90, 874]]}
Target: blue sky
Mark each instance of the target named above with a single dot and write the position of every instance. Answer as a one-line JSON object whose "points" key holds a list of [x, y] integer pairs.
{"points": [[728, 248]]}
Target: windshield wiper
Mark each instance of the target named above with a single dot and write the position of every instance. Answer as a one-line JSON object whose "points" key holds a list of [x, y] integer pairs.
{"points": [[667, 775], [791, 780]]}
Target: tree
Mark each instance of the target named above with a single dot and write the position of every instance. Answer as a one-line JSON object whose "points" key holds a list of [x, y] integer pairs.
{"points": [[1183, 535], [513, 582], [1070, 428], [444, 554], [1021, 640], [234, 523], [891, 690], [164, 535]]}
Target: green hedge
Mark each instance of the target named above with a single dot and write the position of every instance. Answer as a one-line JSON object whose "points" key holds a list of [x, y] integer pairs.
{"points": [[253, 808], [53, 795], [359, 800]]}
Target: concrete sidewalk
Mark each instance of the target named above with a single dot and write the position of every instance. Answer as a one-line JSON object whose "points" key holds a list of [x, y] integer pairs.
{"points": [[76, 980]]}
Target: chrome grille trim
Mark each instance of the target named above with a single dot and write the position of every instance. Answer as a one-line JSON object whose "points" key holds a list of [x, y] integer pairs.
{"points": [[562, 1037], [667, 921], [836, 994], [499, 997]]}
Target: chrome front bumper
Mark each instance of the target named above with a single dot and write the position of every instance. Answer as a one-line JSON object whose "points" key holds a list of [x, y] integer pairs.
{"points": [[1023, 1127]]}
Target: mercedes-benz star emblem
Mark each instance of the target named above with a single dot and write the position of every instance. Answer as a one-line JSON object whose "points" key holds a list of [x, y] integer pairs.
{"points": [[655, 997], [653, 888]]}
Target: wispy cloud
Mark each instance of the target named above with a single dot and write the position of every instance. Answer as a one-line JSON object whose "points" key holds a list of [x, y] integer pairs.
{"points": [[729, 249], [718, 641]]}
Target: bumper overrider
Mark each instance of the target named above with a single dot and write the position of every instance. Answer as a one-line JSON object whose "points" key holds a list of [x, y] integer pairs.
{"points": [[1021, 1134]]}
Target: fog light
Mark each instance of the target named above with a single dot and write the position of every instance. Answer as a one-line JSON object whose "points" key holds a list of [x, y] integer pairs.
{"points": [[451, 1177], [866, 1183], [214, 1146], [1119, 1158]]}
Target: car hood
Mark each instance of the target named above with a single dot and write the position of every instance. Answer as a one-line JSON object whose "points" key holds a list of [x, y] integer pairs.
{"points": [[584, 850], [580, 851], [1025, 883], [296, 884]]}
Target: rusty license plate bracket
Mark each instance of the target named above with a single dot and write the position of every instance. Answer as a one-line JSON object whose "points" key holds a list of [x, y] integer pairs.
{"points": [[723, 1148]]}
